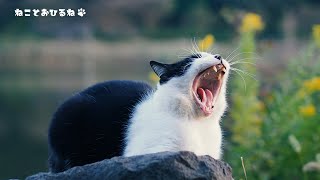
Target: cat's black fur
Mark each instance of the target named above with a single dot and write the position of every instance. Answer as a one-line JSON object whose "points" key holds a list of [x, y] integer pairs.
{"points": [[168, 71], [90, 126]]}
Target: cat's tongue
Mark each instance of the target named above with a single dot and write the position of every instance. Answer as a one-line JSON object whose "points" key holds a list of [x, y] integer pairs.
{"points": [[206, 97]]}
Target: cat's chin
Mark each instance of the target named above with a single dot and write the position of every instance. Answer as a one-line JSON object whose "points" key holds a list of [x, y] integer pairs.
{"points": [[206, 87]]}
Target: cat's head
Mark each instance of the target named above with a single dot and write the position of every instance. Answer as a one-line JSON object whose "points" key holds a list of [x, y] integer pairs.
{"points": [[196, 85]]}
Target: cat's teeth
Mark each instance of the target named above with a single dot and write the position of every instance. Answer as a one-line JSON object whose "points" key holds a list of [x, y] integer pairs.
{"points": [[215, 69], [219, 76]]}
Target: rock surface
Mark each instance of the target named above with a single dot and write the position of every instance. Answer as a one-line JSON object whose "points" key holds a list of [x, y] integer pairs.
{"points": [[164, 165]]}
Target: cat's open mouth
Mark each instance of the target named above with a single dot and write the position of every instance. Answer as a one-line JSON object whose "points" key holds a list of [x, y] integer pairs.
{"points": [[206, 87]]}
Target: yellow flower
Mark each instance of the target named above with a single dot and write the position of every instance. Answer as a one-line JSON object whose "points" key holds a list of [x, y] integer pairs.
{"points": [[302, 93], [308, 110], [316, 34], [312, 85], [251, 22], [206, 43], [153, 77]]}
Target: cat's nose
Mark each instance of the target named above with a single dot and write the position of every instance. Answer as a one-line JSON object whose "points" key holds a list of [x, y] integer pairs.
{"points": [[218, 56]]}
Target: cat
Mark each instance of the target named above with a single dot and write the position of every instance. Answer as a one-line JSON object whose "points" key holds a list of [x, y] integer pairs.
{"points": [[128, 118]]}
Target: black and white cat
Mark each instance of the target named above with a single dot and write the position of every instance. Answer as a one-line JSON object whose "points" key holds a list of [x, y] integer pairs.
{"points": [[130, 118]]}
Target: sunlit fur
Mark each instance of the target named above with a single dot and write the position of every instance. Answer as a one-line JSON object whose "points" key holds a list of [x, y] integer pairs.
{"points": [[170, 120]]}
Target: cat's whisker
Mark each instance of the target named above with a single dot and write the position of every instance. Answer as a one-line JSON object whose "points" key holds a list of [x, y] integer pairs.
{"points": [[184, 55], [181, 54], [244, 81], [232, 53], [245, 73], [243, 53], [188, 51], [194, 48], [243, 62], [196, 44], [201, 45], [191, 52], [248, 58], [194, 51], [211, 51]]}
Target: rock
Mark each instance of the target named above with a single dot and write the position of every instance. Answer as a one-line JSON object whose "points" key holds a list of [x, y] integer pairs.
{"points": [[164, 165]]}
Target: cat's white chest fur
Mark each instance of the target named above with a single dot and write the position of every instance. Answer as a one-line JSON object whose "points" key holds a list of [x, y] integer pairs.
{"points": [[154, 128], [203, 138], [158, 126], [169, 120]]}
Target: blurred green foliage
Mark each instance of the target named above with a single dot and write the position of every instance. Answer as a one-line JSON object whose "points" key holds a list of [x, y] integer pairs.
{"points": [[280, 133], [286, 119], [246, 108]]}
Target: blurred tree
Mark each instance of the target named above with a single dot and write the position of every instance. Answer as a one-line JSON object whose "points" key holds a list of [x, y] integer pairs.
{"points": [[151, 17]]}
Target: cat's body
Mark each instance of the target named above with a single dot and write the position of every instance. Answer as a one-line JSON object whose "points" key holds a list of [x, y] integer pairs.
{"points": [[182, 114], [90, 126]]}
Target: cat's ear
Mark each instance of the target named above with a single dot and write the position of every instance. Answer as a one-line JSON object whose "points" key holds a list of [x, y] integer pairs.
{"points": [[158, 68]]}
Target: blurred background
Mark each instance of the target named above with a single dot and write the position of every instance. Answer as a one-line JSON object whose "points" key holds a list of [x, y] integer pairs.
{"points": [[274, 91]]}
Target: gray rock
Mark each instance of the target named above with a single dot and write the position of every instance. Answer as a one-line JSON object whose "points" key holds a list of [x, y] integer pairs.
{"points": [[164, 165]]}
